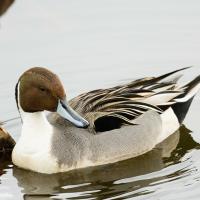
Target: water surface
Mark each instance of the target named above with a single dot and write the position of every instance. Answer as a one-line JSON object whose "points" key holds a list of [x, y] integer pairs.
{"points": [[97, 44]]}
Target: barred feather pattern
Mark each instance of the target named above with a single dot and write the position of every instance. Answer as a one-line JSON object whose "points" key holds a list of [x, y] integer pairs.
{"points": [[129, 101]]}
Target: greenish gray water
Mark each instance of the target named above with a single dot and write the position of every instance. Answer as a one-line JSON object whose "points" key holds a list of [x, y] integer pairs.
{"points": [[97, 44]]}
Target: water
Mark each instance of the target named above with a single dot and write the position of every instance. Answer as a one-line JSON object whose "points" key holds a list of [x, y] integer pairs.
{"points": [[97, 44]]}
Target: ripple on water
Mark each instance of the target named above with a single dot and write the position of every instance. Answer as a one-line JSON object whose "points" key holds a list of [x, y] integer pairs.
{"points": [[171, 170]]}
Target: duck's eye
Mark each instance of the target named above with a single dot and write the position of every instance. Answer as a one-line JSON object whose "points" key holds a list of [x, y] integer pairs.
{"points": [[42, 89]]}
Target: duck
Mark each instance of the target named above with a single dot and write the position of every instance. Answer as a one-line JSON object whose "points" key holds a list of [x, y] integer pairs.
{"points": [[7, 143], [98, 127], [4, 5]]}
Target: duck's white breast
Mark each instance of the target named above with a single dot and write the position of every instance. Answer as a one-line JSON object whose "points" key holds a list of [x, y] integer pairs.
{"points": [[33, 148]]}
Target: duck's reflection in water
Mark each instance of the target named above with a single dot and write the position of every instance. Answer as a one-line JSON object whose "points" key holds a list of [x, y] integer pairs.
{"points": [[99, 182]]}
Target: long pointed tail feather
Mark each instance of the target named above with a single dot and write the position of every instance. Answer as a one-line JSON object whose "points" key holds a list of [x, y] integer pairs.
{"points": [[190, 90], [183, 101], [171, 73]]}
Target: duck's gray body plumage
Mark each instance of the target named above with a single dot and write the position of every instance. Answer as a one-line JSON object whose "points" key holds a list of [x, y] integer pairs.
{"points": [[125, 121], [73, 145]]}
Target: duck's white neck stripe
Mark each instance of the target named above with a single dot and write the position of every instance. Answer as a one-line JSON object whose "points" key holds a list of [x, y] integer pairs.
{"points": [[18, 101]]}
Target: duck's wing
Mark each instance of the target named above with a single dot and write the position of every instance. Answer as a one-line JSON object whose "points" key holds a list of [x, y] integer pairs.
{"points": [[107, 109]]}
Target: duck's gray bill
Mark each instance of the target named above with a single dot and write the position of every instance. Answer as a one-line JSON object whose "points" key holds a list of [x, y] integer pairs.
{"points": [[68, 113]]}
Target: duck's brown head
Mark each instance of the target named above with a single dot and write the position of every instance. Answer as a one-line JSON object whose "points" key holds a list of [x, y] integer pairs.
{"points": [[39, 89]]}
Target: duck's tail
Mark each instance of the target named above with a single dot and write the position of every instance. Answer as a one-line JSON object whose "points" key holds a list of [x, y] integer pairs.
{"points": [[184, 100]]}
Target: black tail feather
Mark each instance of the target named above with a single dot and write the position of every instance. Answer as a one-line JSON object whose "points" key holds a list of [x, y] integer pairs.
{"points": [[183, 101], [181, 109], [192, 84]]}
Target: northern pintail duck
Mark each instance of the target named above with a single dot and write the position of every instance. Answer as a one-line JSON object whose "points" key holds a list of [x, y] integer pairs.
{"points": [[4, 5], [7, 143], [99, 127]]}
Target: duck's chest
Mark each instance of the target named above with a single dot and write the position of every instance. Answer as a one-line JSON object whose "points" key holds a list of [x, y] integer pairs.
{"points": [[33, 149], [42, 148], [42, 162]]}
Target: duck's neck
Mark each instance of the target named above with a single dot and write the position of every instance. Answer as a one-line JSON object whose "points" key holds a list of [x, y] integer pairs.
{"points": [[35, 125], [36, 122], [33, 149], [36, 132]]}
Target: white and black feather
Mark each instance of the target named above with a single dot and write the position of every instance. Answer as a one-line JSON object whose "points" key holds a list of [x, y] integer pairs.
{"points": [[120, 105]]}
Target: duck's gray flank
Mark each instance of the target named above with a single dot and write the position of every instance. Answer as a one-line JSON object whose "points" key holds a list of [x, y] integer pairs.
{"points": [[82, 145]]}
